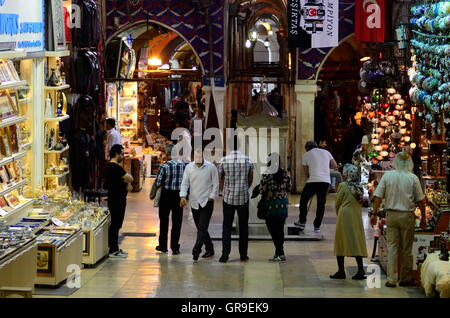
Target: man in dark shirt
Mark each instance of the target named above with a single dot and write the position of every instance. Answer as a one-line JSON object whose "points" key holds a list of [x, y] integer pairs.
{"points": [[118, 183], [170, 176]]}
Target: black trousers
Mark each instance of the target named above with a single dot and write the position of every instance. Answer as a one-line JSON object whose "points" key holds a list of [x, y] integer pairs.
{"points": [[202, 216], [276, 229], [314, 188], [228, 217], [117, 210], [170, 202]]}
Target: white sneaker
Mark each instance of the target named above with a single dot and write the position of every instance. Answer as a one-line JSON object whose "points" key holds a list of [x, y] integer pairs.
{"points": [[316, 230], [118, 254]]}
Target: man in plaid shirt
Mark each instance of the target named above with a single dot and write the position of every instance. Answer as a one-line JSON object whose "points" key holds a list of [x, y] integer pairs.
{"points": [[169, 177], [236, 177]]}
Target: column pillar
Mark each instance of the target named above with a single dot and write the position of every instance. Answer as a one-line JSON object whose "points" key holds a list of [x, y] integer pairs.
{"points": [[305, 91]]}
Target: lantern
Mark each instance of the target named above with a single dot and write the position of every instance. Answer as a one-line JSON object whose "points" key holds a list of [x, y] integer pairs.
{"points": [[408, 116], [375, 141], [385, 146], [397, 96], [398, 107], [401, 102], [391, 91], [402, 123], [378, 148], [403, 131], [374, 136], [380, 130], [368, 106], [391, 118], [407, 139], [413, 145], [384, 123], [380, 158], [396, 113], [384, 153]]}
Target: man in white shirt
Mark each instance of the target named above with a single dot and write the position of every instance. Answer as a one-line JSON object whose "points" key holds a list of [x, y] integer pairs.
{"points": [[316, 164], [113, 136], [201, 179], [401, 191]]}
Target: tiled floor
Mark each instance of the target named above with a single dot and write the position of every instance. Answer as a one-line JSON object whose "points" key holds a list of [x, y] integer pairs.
{"points": [[148, 274]]}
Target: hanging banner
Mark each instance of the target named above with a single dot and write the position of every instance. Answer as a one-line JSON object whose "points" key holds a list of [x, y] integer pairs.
{"points": [[370, 20], [313, 23], [22, 24]]}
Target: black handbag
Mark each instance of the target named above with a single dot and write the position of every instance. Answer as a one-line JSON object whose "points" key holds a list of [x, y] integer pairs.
{"points": [[262, 209]]}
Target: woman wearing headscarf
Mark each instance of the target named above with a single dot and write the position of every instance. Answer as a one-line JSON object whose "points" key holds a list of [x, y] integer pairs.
{"points": [[349, 239]]}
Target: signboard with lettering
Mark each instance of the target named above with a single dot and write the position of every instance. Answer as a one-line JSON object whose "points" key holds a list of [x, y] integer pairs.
{"points": [[22, 24], [370, 20], [313, 23]]}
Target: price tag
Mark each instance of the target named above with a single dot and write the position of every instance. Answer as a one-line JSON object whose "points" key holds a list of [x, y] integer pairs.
{"points": [[57, 222]]}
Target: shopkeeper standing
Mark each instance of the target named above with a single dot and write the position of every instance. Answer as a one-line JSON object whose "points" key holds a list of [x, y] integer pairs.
{"points": [[118, 183], [113, 135]]}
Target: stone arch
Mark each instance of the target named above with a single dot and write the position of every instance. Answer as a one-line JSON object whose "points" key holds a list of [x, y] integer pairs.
{"points": [[137, 23]]}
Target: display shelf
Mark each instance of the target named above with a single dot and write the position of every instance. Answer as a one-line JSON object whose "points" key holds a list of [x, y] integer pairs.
{"points": [[57, 53], [12, 121], [56, 175], [57, 151], [17, 210], [18, 268], [57, 88], [57, 119], [7, 55], [25, 147], [96, 242], [12, 158], [13, 187], [25, 101], [12, 85], [70, 253]]}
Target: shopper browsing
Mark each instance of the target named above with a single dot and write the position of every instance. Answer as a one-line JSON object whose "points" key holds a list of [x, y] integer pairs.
{"points": [[401, 191], [316, 164], [236, 177], [169, 178], [274, 189], [349, 238], [118, 183], [113, 136], [201, 179]]}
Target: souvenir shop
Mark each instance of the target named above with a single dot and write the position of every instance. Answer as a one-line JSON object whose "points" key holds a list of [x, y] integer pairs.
{"points": [[404, 96], [51, 143], [152, 76]]}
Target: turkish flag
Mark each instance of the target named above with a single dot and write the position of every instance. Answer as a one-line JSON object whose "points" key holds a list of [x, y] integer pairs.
{"points": [[371, 23]]}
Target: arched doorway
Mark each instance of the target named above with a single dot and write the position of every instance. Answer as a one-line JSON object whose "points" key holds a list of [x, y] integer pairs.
{"points": [[337, 99], [154, 82]]}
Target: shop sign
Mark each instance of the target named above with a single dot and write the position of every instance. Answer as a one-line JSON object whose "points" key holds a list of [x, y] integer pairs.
{"points": [[22, 24], [313, 23], [370, 20]]}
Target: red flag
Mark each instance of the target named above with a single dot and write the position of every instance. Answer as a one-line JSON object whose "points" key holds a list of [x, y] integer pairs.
{"points": [[371, 24]]}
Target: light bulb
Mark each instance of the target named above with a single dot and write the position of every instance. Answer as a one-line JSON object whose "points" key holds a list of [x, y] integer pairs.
{"points": [[407, 138]]}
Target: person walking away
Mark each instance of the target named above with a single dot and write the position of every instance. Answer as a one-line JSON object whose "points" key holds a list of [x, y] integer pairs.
{"points": [[349, 237], [401, 191], [236, 177], [274, 188], [169, 178], [113, 136], [201, 179], [316, 164], [118, 183]]}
